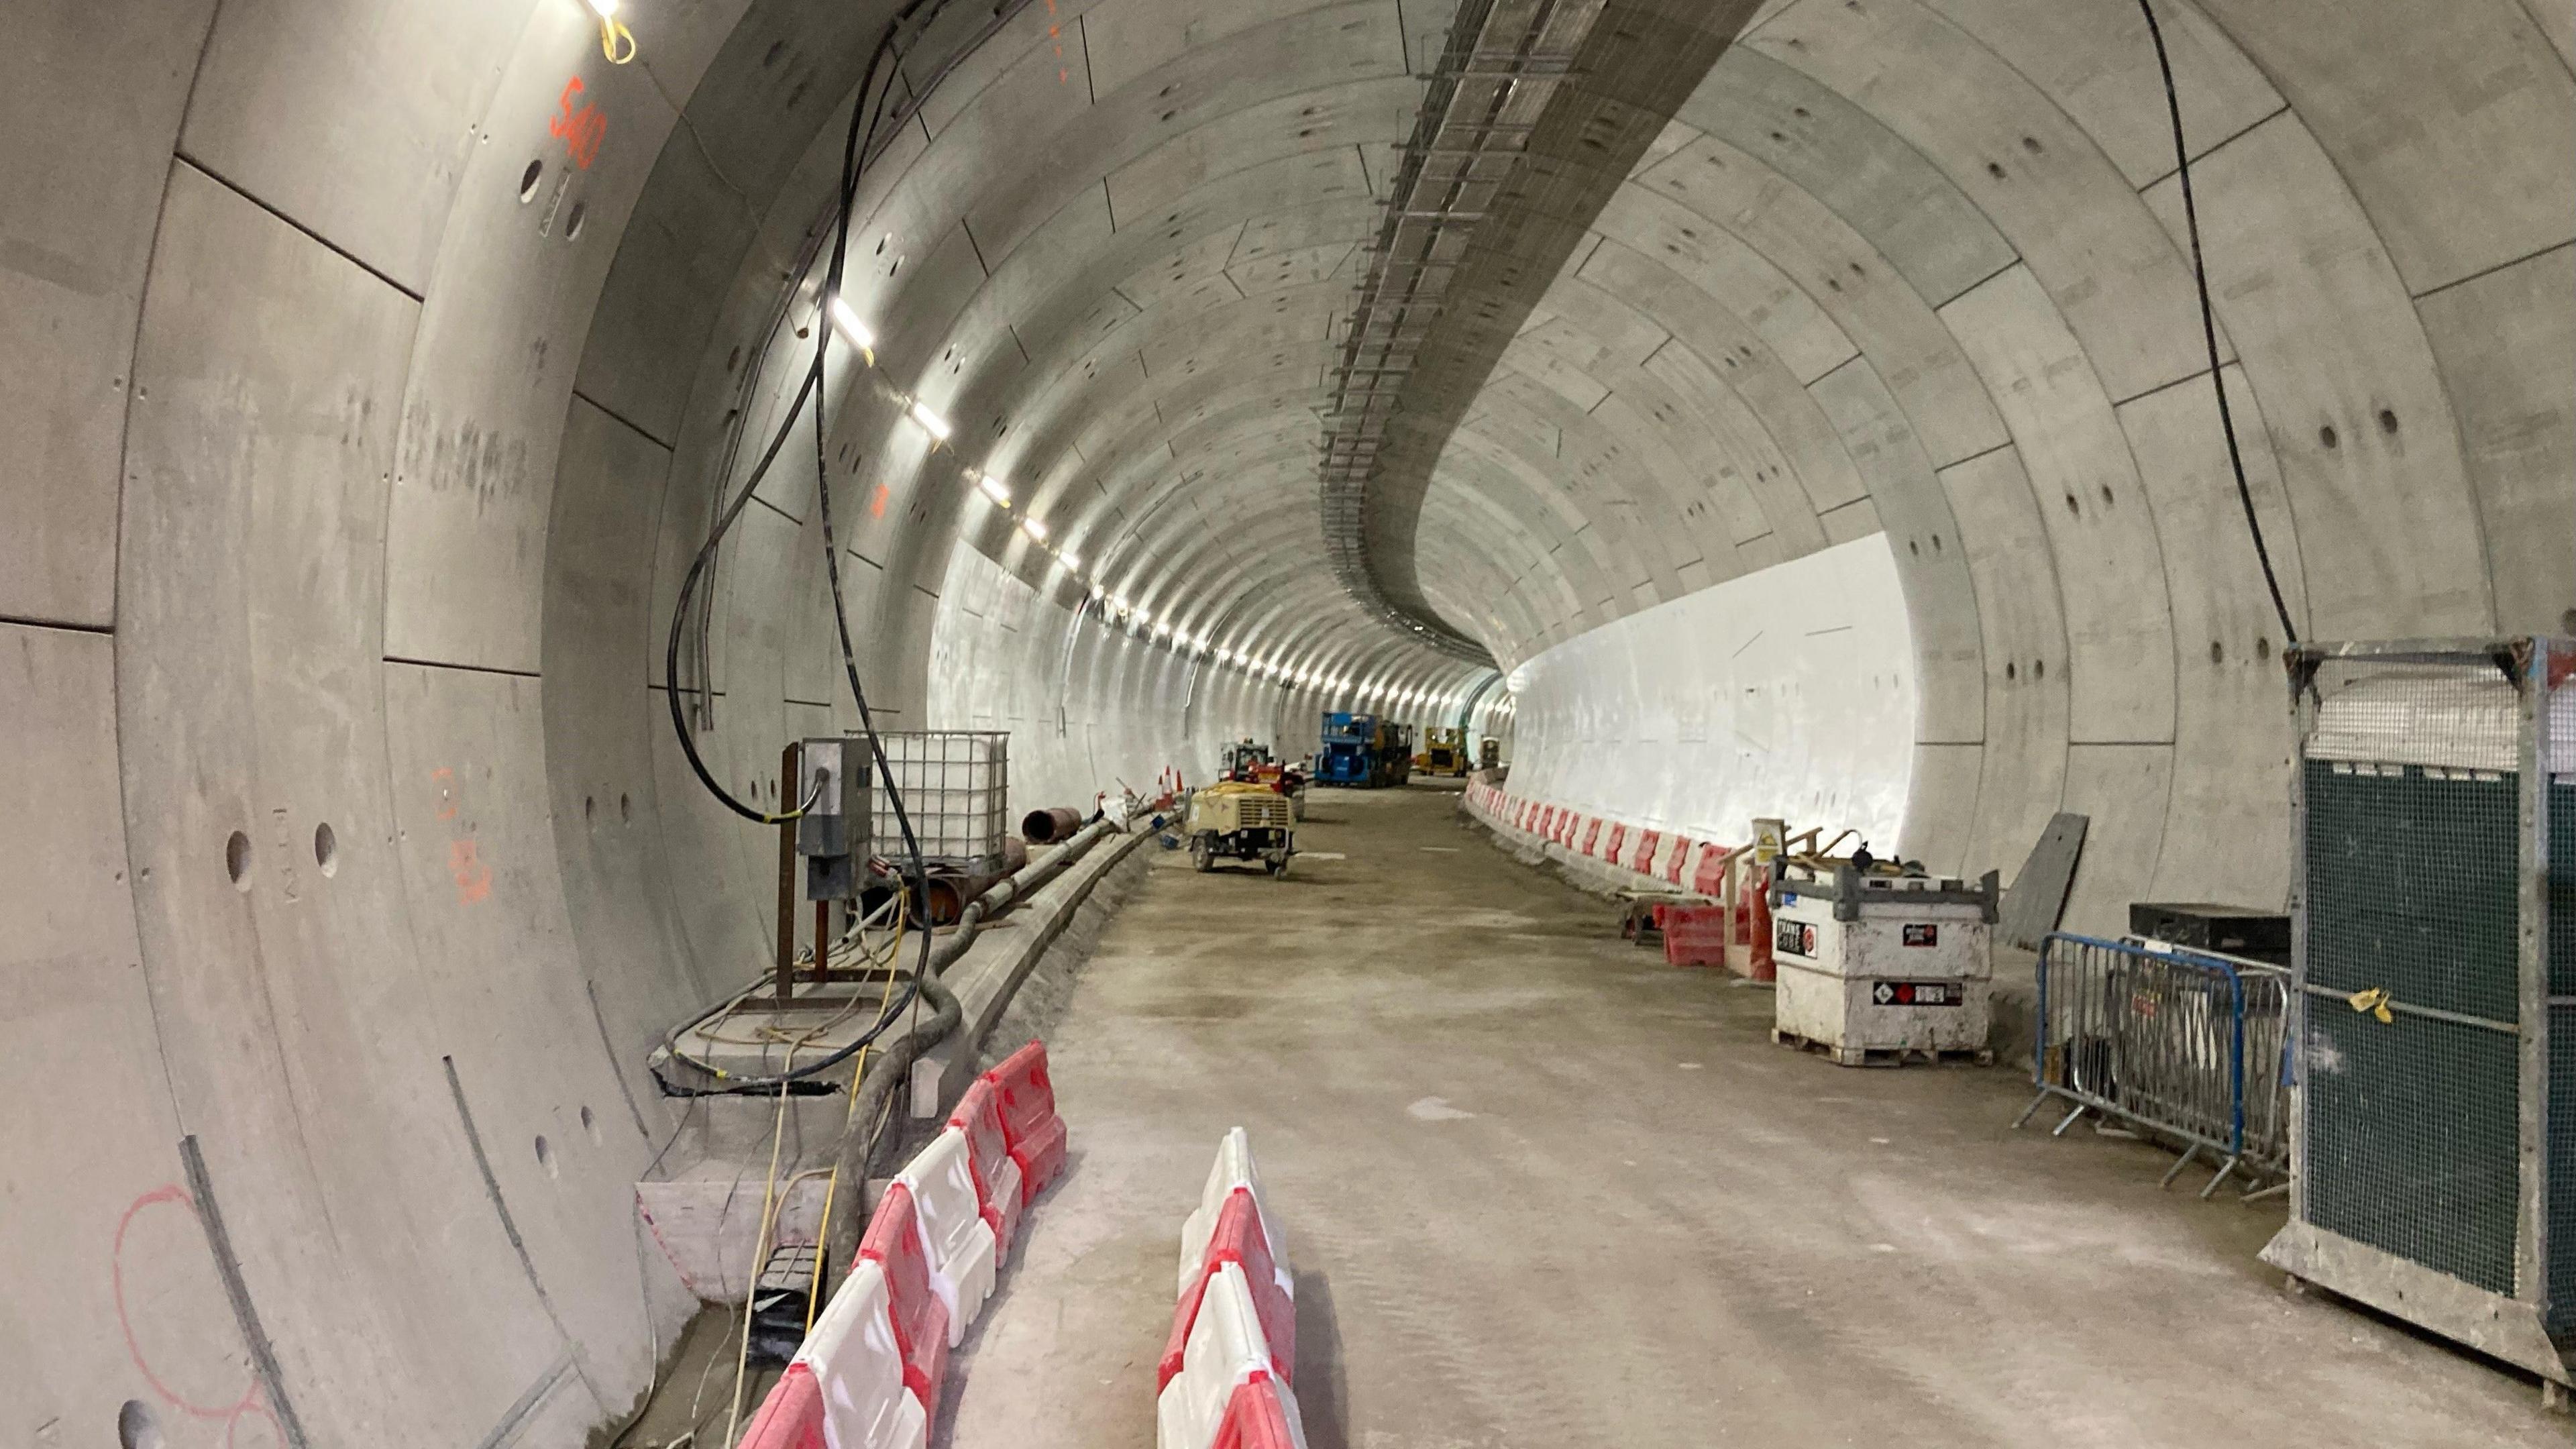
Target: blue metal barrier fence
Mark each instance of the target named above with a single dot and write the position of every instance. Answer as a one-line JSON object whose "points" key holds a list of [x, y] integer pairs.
{"points": [[2186, 1045]]}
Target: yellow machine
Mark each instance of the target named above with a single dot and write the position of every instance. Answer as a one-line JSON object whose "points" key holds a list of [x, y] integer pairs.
{"points": [[1240, 820], [1444, 752]]}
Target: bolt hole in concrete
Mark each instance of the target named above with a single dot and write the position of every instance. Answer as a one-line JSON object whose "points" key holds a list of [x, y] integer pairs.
{"points": [[136, 1428], [572, 225], [546, 1155], [589, 808], [625, 809], [528, 181], [237, 860], [590, 1124], [326, 849]]}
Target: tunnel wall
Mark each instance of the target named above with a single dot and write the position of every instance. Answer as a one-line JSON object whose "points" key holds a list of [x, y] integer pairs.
{"points": [[1788, 693], [1919, 266]]}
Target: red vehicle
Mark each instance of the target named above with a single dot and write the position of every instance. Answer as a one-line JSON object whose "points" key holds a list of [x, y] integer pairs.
{"points": [[1250, 762]]}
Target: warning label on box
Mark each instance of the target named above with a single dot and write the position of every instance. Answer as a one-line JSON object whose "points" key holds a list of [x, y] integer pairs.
{"points": [[1922, 935], [1793, 938], [1915, 993]]}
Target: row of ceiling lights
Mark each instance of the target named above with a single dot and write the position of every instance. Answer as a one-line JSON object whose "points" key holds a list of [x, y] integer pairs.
{"points": [[998, 493]]}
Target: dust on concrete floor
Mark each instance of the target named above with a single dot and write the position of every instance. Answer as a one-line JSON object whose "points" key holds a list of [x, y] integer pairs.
{"points": [[1542, 1190]]}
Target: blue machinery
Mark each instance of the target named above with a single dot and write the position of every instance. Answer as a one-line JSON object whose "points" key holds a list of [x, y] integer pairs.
{"points": [[1363, 751]]}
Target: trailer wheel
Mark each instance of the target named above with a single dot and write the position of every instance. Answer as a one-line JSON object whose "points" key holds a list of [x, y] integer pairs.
{"points": [[1203, 852]]}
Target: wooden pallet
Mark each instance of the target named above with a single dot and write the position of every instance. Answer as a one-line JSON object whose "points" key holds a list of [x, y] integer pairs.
{"points": [[1880, 1056]]}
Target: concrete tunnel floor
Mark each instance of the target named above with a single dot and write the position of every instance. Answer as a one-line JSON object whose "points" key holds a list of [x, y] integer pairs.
{"points": [[1542, 1190]]}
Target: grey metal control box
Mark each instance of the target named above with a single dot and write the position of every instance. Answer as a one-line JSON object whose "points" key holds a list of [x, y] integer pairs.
{"points": [[833, 833]]}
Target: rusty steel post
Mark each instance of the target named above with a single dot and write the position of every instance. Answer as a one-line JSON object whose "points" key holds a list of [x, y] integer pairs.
{"points": [[786, 975]]}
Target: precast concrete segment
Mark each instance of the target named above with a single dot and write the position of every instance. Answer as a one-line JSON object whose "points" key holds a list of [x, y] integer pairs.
{"points": [[1426, 1040]]}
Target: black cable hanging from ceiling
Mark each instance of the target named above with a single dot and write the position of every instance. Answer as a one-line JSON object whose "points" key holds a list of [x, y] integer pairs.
{"points": [[2209, 328]]}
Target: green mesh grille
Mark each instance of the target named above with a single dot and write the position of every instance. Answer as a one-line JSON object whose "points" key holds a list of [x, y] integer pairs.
{"points": [[2412, 1123], [2411, 1139], [2562, 1058], [2411, 886], [2562, 1169]]}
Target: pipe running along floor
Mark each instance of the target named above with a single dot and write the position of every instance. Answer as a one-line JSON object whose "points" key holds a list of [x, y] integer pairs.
{"points": [[1542, 1190]]}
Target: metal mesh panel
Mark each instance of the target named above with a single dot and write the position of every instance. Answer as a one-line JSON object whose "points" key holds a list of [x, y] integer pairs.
{"points": [[2411, 836], [2562, 1165], [2411, 884], [2562, 1056], [956, 790], [2562, 887], [2412, 1139]]}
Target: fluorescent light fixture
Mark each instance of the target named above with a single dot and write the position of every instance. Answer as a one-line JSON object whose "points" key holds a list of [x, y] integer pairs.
{"points": [[1070, 560], [931, 422], [1033, 528], [604, 9], [842, 317], [991, 485]]}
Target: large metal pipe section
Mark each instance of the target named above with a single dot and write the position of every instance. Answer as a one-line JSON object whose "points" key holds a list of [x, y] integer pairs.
{"points": [[1046, 827]]}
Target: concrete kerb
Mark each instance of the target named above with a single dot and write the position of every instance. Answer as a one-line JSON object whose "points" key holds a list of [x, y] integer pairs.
{"points": [[990, 974]]}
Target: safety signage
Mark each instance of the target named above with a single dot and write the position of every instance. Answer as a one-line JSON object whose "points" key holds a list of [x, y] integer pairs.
{"points": [[1922, 935], [1793, 938], [1915, 993]]}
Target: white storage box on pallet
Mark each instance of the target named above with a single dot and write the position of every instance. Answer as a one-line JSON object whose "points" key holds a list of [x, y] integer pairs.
{"points": [[1878, 968]]}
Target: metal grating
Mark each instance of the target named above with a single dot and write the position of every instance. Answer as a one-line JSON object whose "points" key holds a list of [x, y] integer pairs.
{"points": [[2412, 885], [1502, 64], [2562, 1055], [2436, 954], [2413, 1140], [956, 787]]}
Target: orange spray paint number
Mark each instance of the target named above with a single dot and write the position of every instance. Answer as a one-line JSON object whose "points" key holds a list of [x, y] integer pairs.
{"points": [[473, 877], [581, 130]]}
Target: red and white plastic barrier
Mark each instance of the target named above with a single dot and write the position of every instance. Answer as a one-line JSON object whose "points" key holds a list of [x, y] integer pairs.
{"points": [[1224, 1382], [1031, 1130], [893, 1244], [949, 1216], [997, 1178], [868, 1377]]}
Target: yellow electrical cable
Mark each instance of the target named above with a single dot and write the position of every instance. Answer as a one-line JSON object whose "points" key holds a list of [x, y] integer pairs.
{"points": [[759, 1256], [612, 34], [849, 1114]]}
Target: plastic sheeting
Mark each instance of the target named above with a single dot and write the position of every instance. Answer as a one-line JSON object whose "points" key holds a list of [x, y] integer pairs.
{"points": [[1790, 692]]}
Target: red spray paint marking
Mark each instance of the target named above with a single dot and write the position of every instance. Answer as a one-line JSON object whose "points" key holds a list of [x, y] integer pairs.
{"points": [[876, 504], [581, 130], [230, 1413], [473, 877]]}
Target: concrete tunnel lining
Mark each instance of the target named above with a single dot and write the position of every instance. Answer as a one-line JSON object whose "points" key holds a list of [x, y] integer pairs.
{"points": [[353, 486]]}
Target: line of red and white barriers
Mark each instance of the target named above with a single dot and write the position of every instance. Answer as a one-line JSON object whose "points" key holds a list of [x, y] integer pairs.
{"points": [[1224, 1382], [869, 1374]]}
